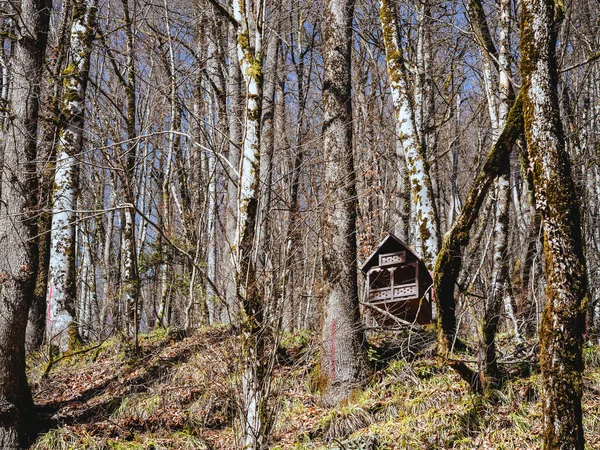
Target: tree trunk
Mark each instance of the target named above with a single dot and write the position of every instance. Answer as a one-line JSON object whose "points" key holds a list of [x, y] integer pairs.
{"points": [[18, 227], [499, 99], [234, 94], [343, 363], [416, 161], [448, 262], [499, 280], [130, 278], [219, 105], [561, 331], [255, 420], [62, 328], [48, 132]]}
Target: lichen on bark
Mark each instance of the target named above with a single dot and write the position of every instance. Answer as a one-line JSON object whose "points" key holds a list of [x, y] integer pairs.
{"points": [[416, 161], [61, 329], [561, 330]]}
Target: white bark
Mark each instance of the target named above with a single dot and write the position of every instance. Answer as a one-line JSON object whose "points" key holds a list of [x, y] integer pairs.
{"points": [[418, 170], [61, 274], [250, 60], [251, 67], [130, 292]]}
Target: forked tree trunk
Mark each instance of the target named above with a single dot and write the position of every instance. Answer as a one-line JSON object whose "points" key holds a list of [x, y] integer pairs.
{"points": [[343, 362], [18, 228], [62, 329], [449, 261], [561, 331]]}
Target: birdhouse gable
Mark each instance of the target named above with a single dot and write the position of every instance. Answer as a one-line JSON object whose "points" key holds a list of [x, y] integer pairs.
{"points": [[389, 259], [390, 251]]}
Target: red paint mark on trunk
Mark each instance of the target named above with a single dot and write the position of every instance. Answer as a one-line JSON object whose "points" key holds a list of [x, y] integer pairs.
{"points": [[49, 306], [332, 350]]}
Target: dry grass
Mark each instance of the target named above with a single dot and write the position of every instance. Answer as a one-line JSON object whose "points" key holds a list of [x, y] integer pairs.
{"points": [[179, 394]]}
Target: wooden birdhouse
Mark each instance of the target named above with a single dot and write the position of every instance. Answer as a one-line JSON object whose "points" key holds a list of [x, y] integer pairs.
{"points": [[398, 283]]}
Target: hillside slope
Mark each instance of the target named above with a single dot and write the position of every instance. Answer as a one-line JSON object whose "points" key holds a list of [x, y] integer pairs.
{"points": [[180, 393]]}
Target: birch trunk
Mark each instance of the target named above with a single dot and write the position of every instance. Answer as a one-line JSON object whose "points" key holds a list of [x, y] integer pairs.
{"points": [[61, 328], [566, 288], [255, 387], [18, 230], [416, 162], [130, 279]]}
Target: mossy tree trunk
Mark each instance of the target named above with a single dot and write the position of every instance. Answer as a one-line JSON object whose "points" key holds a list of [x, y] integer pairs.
{"points": [[48, 132], [416, 161], [18, 222], [499, 98], [343, 359], [561, 331], [62, 329], [255, 418], [449, 260]]}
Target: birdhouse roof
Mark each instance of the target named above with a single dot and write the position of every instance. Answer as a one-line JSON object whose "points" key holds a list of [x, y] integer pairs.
{"points": [[392, 244]]}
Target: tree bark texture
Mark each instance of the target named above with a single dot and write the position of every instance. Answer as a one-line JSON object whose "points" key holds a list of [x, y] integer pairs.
{"points": [[343, 363], [46, 151], [255, 420], [61, 326], [416, 161], [130, 278], [18, 225], [235, 102], [561, 330]]}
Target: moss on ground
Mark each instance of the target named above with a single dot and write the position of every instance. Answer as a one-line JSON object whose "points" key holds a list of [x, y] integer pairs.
{"points": [[178, 393]]}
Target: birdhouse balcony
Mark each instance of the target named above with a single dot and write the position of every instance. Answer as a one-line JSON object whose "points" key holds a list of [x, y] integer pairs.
{"points": [[398, 282]]}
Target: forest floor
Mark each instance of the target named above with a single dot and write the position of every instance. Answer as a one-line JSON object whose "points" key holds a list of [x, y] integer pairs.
{"points": [[179, 392]]}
